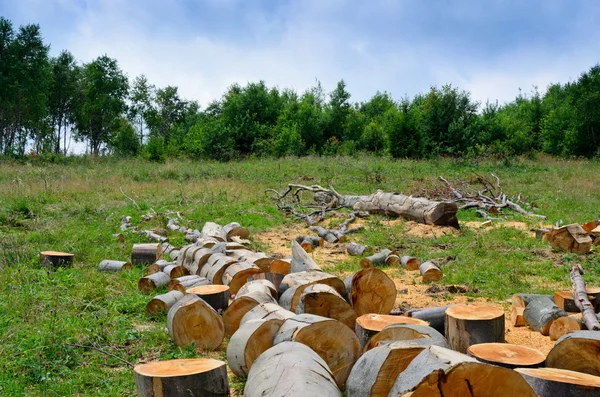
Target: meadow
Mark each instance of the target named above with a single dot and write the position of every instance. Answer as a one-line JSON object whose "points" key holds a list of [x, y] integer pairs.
{"points": [[76, 331]]}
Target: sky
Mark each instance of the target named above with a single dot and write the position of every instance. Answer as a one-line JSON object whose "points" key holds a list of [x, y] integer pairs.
{"points": [[491, 48]]}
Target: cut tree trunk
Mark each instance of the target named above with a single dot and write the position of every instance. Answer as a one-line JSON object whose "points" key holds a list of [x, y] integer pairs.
{"points": [[437, 371], [280, 266], [215, 231], [564, 325], [235, 229], [174, 254], [242, 305], [175, 271], [421, 335], [577, 351], [250, 341], [215, 268], [261, 285], [145, 254], [377, 259], [368, 325], [331, 340], [588, 314], [162, 303], [540, 313], [553, 382], [193, 321], [237, 274], [55, 259], [570, 238], [152, 282], [198, 377], [114, 266], [267, 311], [259, 259], [217, 296], [355, 249], [150, 235], [519, 301], [290, 369], [323, 300], [301, 261], [311, 277], [370, 291], [181, 284], [157, 266], [410, 263], [565, 300], [435, 316], [309, 242], [331, 236], [468, 325], [430, 272], [507, 355], [376, 371]]}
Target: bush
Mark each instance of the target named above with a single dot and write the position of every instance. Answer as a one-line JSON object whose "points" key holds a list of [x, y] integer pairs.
{"points": [[154, 150], [208, 139]]}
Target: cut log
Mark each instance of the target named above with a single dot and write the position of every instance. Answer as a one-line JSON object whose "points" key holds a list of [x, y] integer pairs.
{"points": [[242, 305], [392, 260], [570, 238], [565, 300], [311, 277], [114, 266], [153, 282], [325, 301], [152, 236], [522, 300], [193, 321], [516, 317], [198, 377], [519, 301], [267, 311], [376, 371], [577, 351], [174, 254], [309, 242], [290, 369], [187, 259], [430, 272], [259, 259], [235, 229], [157, 266], [552, 382], [371, 291], [217, 296], [369, 325], [162, 303], [507, 355], [540, 313], [377, 259], [260, 285], [175, 271], [588, 314], [291, 297], [355, 249], [564, 325], [250, 341], [181, 284], [301, 261], [331, 236], [280, 266], [468, 325], [410, 263], [435, 316], [145, 254], [215, 268], [331, 340], [232, 246], [215, 231], [421, 335], [55, 259], [437, 371], [237, 274], [272, 280]]}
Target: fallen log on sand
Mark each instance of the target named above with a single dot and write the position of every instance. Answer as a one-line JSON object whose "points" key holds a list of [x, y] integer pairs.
{"points": [[468, 325], [410, 263], [507, 355], [519, 301], [430, 272], [162, 303], [370, 291], [385, 256], [198, 377], [553, 382], [540, 313], [577, 351], [114, 266], [290, 369], [192, 321]]}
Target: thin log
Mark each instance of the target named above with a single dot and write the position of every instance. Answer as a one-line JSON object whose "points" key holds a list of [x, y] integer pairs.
{"points": [[355, 249], [162, 303], [114, 266], [273, 280], [588, 313], [566, 301], [175, 271], [153, 282], [576, 351], [215, 267], [193, 321], [377, 259], [150, 235], [311, 277], [430, 272], [410, 263], [261, 284]]}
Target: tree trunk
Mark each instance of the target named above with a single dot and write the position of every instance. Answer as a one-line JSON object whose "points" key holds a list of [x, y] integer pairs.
{"points": [[421, 335], [114, 266], [410, 263], [519, 301], [577, 351], [162, 303], [355, 249], [181, 284], [260, 285], [322, 300], [377, 259], [588, 314], [193, 321], [198, 377], [152, 282], [564, 325], [55, 259], [540, 313], [175, 271], [235, 229], [301, 261], [468, 325], [435, 316], [371, 291], [311, 277], [217, 296], [237, 274], [507, 355], [157, 266], [242, 305], [430, 272], [277, 373], [145, 254], [330, 339], [368, 325], [552, 382], [215, 268]]}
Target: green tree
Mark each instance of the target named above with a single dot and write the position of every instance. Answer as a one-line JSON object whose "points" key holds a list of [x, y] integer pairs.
{"points": [[169, 110], [141, 97], [63, 96], [337, 111], [124, 140]]}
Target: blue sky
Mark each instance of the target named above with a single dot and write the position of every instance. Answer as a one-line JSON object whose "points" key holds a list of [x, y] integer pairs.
{"points": [[488, 47]]}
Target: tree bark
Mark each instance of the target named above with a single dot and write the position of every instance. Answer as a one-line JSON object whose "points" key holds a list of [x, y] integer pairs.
{"points": [[114, 266], [175, 271], [162, 303], [215, 267], [152, 282], [145, 254], [421, 335], [507, 355], [261, 285], [370, 291], [576, 351], [553, 382], [193, 321], [468, 325], [540, 313]]}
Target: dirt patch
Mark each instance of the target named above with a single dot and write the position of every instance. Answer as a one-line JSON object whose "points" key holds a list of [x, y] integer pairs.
{"points": [[415, 229]]}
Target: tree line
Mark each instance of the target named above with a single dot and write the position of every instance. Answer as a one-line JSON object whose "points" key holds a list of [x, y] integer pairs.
{"points": [[45, 101]]}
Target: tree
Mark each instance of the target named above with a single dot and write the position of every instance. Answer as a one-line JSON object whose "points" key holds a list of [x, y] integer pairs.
{"points": [[169, 110], [338, 110], [141, 97], [62, 99]]}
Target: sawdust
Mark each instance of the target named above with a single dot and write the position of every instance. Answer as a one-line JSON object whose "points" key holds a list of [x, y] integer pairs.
{"points": [[415, 229]]}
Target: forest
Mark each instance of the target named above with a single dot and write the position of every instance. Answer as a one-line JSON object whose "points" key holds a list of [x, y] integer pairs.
{"points": [[46, 102]]}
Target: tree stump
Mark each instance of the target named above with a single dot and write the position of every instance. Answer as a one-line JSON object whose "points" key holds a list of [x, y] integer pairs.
{"points": [[435, 316], [540, 313], [507, 355], [564, 325], [217, 296], [468, 325], [330, 339], [370, 291], [371, 324], [266, 311], [242, 305], [56, 259], [410, 263], [430, 272], [145, 254], [198, 377], [182, 284], [152, 282], [162, 303], [577, 351], [114, 266], [290, 369], [250, 340], [553, 382], [192, 321], [323, 300], [237, 274], [420, 335]]}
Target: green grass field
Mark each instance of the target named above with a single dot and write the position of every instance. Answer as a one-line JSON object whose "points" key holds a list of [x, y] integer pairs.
{"points": [[45, 317]]}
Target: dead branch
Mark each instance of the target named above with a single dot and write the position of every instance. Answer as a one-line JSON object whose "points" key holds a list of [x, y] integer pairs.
{"points": [[580, 296], [130, 199]]}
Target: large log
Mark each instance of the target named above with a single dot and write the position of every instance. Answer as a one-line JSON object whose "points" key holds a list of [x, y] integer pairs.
{"points": [[175, 271], [437, 371], [468, 325], [267, 311], [198, 377], [577, 351], [301, 261], [250, 341], [507, 355], [368, 325], [242, 305], [564, 325], [570, 238], [519, 301], [540, 313], [331, 340], [237, 274], [435, 316], [370, 291], [114, 266], [215, 231], [325, 301], [145, 254], [311, 277], [56, 259], [272, 280], [215, 267], [553, 382], [235, 229], [181, 284], [588, 314], [290, 369], [566, 301], [421, 335], [193, 321], [260, 285], [152, 282], [162, 303], [217, 296]]}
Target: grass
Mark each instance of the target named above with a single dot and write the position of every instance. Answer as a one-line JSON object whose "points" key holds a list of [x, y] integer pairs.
{"points": [[45, 317]]}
